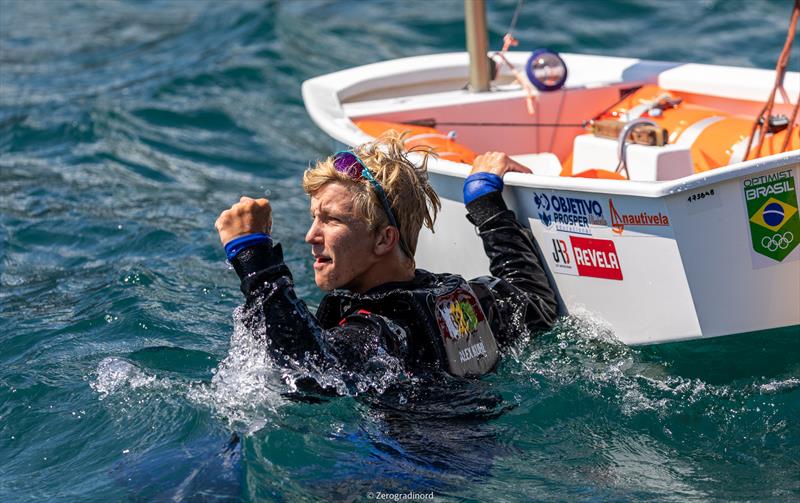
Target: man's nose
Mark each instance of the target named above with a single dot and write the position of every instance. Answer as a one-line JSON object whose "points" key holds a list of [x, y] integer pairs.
{"points": [[313, 236]]}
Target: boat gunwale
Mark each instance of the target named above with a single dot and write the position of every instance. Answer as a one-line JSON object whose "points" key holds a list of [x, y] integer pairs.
{"points": [[627, 187], [325, 97]]}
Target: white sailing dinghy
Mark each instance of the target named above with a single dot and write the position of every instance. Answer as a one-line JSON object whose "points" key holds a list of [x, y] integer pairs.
{"points": [[645, 209]]}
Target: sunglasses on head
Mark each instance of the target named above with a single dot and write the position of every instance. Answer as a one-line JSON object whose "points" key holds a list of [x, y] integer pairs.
{"points": [[349, 164]]}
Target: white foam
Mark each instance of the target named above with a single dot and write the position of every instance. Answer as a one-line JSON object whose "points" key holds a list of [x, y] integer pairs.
{"points": [[779, 386], [248, 386], [245, 389], [115, 373]]}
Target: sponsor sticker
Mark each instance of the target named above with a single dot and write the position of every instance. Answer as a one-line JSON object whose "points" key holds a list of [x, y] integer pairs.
{"points": [[458, 315], [771, 202], [620, 220], [596, 258], [561, 254], [575, 215], [467, 338]]}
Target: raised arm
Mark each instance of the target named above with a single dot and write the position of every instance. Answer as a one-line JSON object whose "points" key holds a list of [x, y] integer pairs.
{"points": [[273, 311], [271, 306], [509, 246]]}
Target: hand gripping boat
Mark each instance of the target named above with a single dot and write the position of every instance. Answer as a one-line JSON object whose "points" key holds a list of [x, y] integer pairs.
{"points": [[646, 213]]}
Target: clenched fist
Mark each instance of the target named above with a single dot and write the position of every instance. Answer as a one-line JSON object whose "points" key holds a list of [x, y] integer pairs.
{"points": [[248, 216]]}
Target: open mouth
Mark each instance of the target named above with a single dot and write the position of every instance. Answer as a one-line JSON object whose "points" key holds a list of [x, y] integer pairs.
{"points": [[320, 261]]}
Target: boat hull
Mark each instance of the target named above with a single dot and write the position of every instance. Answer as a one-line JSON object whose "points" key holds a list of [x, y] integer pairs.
{"points": [[676, 256], [686, 269]]}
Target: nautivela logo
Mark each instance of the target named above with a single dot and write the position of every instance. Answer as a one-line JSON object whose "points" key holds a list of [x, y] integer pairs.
{"points": [[772, 211], [620, 220]]}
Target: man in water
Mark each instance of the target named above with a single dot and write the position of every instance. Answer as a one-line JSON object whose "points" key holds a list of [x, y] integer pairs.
{"points": [[368, 206]]}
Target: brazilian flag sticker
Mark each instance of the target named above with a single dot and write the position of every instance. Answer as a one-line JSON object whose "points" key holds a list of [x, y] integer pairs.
{"points": [[772, 209]]}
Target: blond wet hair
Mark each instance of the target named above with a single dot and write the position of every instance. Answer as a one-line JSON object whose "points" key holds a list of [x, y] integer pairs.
{"points": [[413, 200]]}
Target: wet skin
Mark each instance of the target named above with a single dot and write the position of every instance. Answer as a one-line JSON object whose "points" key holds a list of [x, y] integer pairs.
{"points": [[347, 254], [341, 243]]}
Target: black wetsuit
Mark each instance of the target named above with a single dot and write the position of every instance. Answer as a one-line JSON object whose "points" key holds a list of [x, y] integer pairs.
{"points": [[350, 329]]}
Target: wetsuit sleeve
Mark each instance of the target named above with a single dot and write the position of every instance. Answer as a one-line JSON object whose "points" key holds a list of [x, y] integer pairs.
{"points": [[520, 280], [293, 334], [272, 308]]}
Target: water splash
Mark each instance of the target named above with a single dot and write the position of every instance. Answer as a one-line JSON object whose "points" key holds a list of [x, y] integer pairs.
{"points": [[580, 355], [246, 387], [114, 374]]}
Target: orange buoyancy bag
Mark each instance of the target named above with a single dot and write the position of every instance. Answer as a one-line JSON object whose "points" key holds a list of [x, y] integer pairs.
{"points": [[442, 144], [724, 142], [715, 138]]}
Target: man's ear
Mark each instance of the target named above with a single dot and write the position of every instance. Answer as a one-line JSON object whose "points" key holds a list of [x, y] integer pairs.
{"points": [[386, 240]]}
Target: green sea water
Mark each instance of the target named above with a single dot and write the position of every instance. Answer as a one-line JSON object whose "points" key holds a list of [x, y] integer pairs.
{"points": [[126, 127]]}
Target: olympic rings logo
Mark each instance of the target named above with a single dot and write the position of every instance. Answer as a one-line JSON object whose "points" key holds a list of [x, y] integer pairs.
{"points": [[781, 241]]}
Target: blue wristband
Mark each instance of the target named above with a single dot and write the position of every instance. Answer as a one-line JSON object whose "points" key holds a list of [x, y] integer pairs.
{"points": [[479, 184], [235, 246]]}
